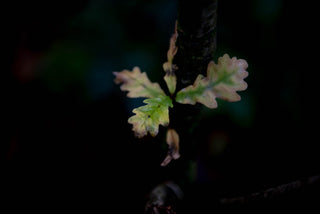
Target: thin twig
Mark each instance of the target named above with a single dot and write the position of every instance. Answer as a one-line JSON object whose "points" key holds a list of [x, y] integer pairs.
{"points": [[272, 192]]}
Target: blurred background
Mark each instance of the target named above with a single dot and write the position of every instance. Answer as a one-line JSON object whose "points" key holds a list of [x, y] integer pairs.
{"points": [[64, 118]]}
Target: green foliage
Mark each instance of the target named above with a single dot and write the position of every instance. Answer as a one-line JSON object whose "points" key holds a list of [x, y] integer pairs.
{"points": [[148, 117], [223, 80], [137, 83]]}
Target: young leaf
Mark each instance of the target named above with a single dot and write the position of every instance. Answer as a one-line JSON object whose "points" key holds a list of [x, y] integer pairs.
{"points": [[173, 151], [198, 92], [147, 118], [168, 66], [170, 77], [223, 81], [171, 81], [137, 83]]}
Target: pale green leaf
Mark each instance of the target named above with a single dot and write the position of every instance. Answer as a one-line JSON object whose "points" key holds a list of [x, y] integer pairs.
{"points": [[223, 81], [137, 84], [147, 118], [171, 81]]}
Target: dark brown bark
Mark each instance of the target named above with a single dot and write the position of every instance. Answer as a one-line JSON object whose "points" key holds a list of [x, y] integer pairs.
{"points": [[196, 42], [196, 25]]}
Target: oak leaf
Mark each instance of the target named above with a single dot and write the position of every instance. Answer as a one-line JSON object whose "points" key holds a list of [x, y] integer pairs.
{"points": [[223, 80], [137, 84], [147, 118]]}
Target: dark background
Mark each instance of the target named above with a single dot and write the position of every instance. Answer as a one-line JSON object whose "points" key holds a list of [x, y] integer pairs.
{"points": [[66, 136]]}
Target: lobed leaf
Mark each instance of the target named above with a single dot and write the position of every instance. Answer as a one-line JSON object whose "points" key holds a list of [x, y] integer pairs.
{"points": [[147, 118], [223, 81], [137, 84]]}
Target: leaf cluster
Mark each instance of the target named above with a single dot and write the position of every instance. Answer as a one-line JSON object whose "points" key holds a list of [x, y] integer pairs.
{"points": [[222, 80]]}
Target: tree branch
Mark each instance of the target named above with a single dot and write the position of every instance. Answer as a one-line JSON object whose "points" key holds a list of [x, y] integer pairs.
{"points": [[196, 42], [196, 38], [272, 192]]}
